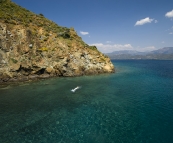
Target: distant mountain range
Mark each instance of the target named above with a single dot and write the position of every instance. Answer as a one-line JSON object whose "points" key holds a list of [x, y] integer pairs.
{"points": [[165, 53]]}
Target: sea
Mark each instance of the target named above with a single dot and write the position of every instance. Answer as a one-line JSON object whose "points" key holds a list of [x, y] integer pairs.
{"points": [[132, 105]]}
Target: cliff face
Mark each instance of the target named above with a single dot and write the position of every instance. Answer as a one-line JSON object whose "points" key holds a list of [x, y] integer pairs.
{"points": [[32, 47]]}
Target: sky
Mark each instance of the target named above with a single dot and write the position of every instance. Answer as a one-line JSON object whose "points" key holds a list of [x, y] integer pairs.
{"points": [[112, 25]]}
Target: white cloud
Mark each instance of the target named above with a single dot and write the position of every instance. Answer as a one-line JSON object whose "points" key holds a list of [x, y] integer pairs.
{"points": [[108, 42], [168, 30], [170, 33], [155, 21], [144, 21], [163, 42], [147, 49], [84, 33], [108, 48], [169, 14]]}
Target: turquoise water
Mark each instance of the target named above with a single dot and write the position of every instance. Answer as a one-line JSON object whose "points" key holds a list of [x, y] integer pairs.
{"points": [[134, 105]]}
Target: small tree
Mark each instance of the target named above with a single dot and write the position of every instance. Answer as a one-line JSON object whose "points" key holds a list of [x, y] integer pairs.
{"points": [[41, 14]]}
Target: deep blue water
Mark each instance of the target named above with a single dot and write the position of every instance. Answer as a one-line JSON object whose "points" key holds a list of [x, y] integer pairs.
{"points": [[134, 105]]}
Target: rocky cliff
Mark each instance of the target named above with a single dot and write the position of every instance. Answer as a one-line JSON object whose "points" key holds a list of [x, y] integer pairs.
{"points": [[33, 47]]}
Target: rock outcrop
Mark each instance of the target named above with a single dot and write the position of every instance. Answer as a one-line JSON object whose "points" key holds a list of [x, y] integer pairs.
{"points": [[34, 47]]}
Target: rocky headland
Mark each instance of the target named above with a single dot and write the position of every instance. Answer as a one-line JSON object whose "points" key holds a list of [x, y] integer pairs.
{"points": [[33, 47]]}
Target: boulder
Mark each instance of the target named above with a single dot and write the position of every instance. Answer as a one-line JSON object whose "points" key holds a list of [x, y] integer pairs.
{"points": [[44, 76], [49, 69]]}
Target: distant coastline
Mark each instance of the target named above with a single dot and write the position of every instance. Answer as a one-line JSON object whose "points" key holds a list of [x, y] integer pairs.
{"points": [[161, 54]]}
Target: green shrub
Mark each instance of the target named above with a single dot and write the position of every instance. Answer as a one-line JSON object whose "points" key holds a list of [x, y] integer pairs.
{"points": [[93, 47]]}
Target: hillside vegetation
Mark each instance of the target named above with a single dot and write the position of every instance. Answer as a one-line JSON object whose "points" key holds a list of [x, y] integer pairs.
{"points": [[31, 47], [13, 14]]}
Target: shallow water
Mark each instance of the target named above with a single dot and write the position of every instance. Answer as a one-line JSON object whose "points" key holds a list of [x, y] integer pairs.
{"points": [[134, 105]]}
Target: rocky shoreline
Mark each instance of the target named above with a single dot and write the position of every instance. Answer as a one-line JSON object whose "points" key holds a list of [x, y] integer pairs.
{"points": [[17, 76], [34, 78]]}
